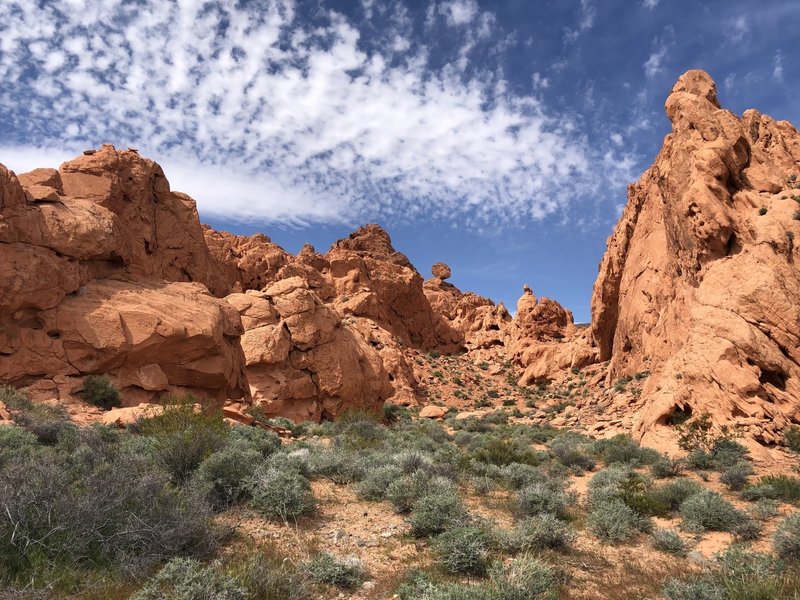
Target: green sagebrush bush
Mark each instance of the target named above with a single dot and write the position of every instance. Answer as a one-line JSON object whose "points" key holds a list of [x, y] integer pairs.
{"points": [[463, 550], [347, 573], [710, 511], [183, 436], [434, 513], [100, 391], [281, 493], [92, 504]]}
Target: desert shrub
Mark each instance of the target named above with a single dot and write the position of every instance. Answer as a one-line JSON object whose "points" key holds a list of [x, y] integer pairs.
{"points": [[698, 434], [764, 509], [183, 436], [337, 465], [738, 575], [347, 573], [525, 578], [669, 541], [606, 484], [405, 491], [673, 493], [226, 474], [697, 588], [100, 391], [710, 511], [48, 422], [497, 451], [541, 498], [188, 579], [613, 521], [483, 484], [15, 441], [759, 491], [664, 467], [786, 541], [516, 475], [358, 430], [377, 481], [727, 452], [785, 488], [735, 477], [792, 438], [410, 461], [747, 529], [623, 483], [622, 449], [573, 451], [264, 442], [395, 412], [538, 533], [463, 550], [96, 506], [434, 513], [283, 494], [454, 591], [267, 576], [699, 460]]}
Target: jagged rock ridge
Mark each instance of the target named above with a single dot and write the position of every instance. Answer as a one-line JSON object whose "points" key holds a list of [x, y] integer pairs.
{"points": [[699, 284], [107, 271]]}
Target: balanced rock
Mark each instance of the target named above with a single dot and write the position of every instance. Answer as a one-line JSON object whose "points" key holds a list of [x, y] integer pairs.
{"points": [[441, 271]]}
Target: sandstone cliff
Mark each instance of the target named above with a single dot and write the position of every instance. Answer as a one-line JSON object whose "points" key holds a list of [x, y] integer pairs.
{"points": [[699, 284]]}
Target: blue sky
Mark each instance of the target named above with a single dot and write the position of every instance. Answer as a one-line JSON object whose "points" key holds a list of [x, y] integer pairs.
{"points": [[498, 137]]}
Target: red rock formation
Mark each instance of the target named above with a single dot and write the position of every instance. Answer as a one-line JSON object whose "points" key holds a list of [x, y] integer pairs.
{"points": [[91, 257], [375, 281], [301, 362], [248, 262], [481, 323], [699, 285]]}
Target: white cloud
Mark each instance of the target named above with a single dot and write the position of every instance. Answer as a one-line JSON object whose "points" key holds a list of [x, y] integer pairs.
{"points": [[777, 67], [588, 14], [540, 82], [650, 4], [739, 28], [459, 12], [654, 64], [261, 116]]}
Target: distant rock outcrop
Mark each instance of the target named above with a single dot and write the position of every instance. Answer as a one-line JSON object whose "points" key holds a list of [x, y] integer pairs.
{"points": [[477, 319], [699, 284]]}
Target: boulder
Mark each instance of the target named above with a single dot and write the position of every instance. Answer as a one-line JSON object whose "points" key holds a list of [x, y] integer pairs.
{"points": [[432, 412]]}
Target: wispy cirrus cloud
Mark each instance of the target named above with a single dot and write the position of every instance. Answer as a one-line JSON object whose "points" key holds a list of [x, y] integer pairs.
{"points": [[263, 115]]}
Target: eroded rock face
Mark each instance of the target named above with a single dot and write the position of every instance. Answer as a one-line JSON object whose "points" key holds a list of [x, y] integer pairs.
{"points": [[374, 281], [302, 363], [480, 322], [248, 262], [96, 265], [697, 285]]}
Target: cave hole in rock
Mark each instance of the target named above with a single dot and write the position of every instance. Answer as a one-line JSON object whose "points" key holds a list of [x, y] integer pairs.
{"points": [[774, 378], [732, 246], [678, 415]]}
